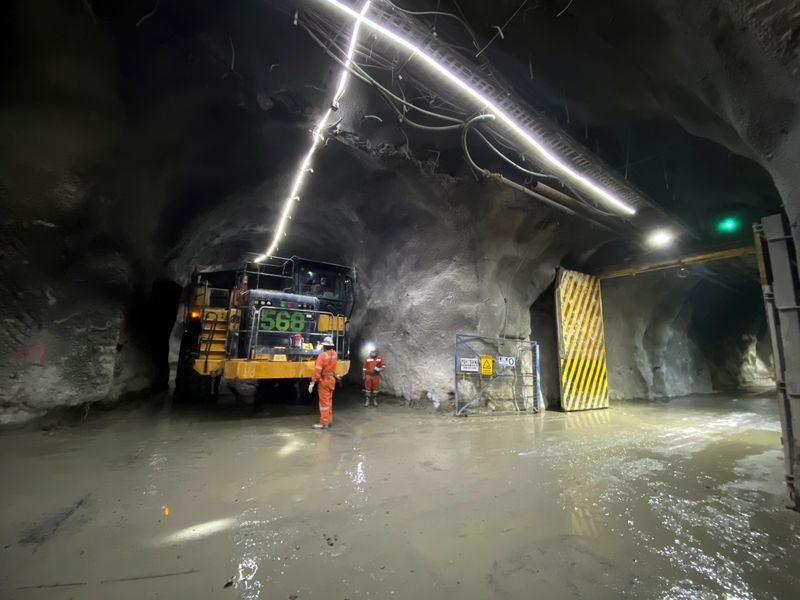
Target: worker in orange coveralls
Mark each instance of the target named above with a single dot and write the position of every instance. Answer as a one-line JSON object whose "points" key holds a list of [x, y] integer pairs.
{"points": [[371, 372], [325, 379]]}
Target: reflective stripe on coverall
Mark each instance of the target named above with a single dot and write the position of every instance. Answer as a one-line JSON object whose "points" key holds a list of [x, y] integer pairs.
{"points": [[325, 378], [372, 380]]}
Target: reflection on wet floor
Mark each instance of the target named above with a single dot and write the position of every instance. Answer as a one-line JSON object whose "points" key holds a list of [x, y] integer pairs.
{"points": [[650, 500]]}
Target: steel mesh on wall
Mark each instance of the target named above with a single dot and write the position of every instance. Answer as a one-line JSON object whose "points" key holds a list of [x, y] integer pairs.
{"points": [[496, 375]]}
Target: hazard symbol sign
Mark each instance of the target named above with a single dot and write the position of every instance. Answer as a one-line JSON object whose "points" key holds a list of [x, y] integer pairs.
{"points": [[487, 365]]}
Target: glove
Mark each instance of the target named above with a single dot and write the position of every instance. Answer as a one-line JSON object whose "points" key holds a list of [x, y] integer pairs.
{"points": [[310, 387], [377, 370]]}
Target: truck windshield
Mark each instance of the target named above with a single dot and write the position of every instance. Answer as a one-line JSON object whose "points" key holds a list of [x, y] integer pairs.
{"points": [[324, 284]]}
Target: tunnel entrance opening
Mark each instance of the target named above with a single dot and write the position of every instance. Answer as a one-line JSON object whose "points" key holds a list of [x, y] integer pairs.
{"points": [[148, 327], [730, 329], [543, 331], [686, 330]]}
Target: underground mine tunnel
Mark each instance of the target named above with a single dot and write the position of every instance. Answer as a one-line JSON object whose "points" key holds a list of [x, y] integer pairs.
{"points": [[347, 299]]}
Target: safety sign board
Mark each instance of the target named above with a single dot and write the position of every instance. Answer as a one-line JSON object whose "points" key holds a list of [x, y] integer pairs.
{"points": [[470, 365], [487, 366], [507, 361]]}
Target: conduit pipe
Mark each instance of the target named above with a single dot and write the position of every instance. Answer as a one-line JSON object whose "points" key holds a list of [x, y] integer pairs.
{"points": [[497, 177]]}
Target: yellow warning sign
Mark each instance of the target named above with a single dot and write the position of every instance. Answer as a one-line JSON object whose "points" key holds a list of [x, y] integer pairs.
{"points": [[487, 365]]}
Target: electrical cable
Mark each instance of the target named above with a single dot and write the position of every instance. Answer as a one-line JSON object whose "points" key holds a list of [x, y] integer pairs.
{"points": [[513, 184], [378, 85], [316, 138], [359, 72], [500, 29], [403, 118], [577, 196], [588, 204], [499, 138], [503, 141], [323, 32], [390, 98], [437, 13], [511, 162], [472, 164], [488, 100], [451, 45], [329, 53], [436, 129], [490, 175]]}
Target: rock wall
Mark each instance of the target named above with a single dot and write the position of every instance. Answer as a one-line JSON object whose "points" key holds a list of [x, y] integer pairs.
{"points": [[60, 331], [93, 185]]}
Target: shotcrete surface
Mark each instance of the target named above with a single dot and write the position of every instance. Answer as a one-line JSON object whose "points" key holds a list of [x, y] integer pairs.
{"points": [[682, 500]]}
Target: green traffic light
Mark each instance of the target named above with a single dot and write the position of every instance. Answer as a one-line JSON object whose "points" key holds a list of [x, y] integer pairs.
{"points": [[728, 225]]}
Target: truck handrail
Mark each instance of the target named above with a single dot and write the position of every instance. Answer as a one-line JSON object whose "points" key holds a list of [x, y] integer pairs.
{"points": [[210, 336], [254, 331]]}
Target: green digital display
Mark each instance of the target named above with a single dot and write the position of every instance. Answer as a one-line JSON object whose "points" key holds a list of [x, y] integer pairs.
{"points": [[282, 320]]}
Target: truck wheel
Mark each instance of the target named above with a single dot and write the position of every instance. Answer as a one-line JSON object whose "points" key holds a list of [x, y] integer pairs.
{"points": [[182, 373], [200, 388], [190, 386]]}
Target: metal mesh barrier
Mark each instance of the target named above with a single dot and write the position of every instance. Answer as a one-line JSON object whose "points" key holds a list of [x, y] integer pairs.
{"points": [[496, 375]]}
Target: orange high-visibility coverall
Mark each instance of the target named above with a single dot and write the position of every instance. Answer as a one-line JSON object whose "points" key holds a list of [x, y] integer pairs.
{"points": [[325, 378], [372, 380]]}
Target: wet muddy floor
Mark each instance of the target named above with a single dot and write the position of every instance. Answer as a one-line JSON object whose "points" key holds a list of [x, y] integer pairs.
{"points": [[646, 500]]}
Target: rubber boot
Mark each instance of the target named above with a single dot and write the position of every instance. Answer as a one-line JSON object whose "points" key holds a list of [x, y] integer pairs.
{"points": [[321, 426], [366, 401], [374, 398]]}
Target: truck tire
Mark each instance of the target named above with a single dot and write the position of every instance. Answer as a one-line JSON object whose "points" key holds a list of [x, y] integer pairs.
{"points": [[190, 386]]}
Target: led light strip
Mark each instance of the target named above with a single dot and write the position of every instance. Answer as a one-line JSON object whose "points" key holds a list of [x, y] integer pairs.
{"points": [[556, 163], [316, 138]]}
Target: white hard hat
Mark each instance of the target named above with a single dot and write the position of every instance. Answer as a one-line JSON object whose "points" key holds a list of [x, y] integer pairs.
{"points": [[327, 341]]}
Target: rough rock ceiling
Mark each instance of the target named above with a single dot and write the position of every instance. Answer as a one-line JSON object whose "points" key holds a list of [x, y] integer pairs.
{"points": [[598, 72]]}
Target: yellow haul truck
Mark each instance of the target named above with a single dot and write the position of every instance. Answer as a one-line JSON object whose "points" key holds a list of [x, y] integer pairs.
{"points": [[262, 321]]}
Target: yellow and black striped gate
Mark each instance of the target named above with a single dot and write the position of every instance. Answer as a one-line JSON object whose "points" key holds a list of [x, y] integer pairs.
{"points": [[581, 341]]}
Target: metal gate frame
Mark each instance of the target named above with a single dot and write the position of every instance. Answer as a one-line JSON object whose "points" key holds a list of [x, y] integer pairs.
{"points": [[464, 340], [776, 253]]}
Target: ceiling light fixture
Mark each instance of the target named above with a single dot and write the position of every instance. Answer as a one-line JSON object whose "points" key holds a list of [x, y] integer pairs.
{"points": [[316, 138], [545, 155], [660, 238]]}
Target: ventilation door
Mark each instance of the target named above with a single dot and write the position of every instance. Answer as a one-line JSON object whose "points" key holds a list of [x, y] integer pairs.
{"points": [[581, 341]]}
